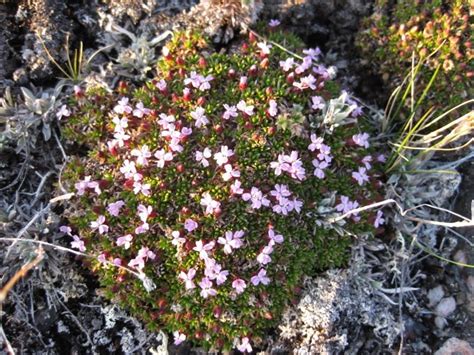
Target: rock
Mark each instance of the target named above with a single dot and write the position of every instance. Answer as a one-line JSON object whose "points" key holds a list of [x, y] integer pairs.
{"points": [[445, 307], [470, 294], [435, 295], [455, 346], [460, 257]]}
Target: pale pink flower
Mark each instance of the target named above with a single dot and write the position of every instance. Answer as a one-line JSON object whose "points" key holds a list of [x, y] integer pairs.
{"points": [[99, 225], [264, 256], [210, 204], [319, 168], [206, 288], [260, 278], [188, 278], [161, 85], [274, 23], [125, 241], [117, 262], [177, 239], [122, 106], [194, 79], [307, 82], [247, 109], [120, 123], [142, 228], [230, 173], [307, 62], [360, 176], [239, 285], [82, 185], [203, 156], [313, 53], [78, 243], [273, 108], [121, 137], [236, 188], [256, 197], [277, 238], [244, 345], [142, 154], [102, 258], [231, 241], [205, 82], [230, 111], [223, 156], [317, 103], [140, 110], [202, 248], [366, 161], [138, 187], [361, 139], [144, 212], [381, 158], [128, 169], [66, 230], [166, 120], [63, 112], [162, 156], [297, 204], [185, 131], [280, 191], [264, 47], [178, 337], [190, 225], [199, 116], [287, 64], [145, 253], [114, 207], [280, 165], [379, 220]]}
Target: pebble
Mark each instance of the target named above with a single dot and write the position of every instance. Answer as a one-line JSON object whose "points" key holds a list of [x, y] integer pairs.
{"points": [[435, 295], [445, 307], [455, 346]]}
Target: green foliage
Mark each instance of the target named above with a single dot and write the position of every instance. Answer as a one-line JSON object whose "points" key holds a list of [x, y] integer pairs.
{"points": [[177, 188], [397, 32]]}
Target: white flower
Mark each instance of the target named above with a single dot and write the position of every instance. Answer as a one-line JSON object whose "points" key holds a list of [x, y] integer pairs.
{"points": [[199, 116], [140, 110], [78, 243], [230, 111], [256, 197], [203, 156], [122, 106], [63, 112], [162, 157], [142, 155], [210, 204], [247, 109], [223, 156], [230, 173], [100, 225], [264, 47]]}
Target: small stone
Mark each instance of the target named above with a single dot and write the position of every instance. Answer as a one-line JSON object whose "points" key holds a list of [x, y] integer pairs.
{"points": [[460, 257], [445, 307], [435, 295], [470, 294], [455, 346]]}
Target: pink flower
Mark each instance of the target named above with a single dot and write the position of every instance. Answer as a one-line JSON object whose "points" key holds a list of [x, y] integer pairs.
{"points": [[121, 137], [264, 47], [239, 286], [306, 82], [140, 110], [143, 255], [361, 139], [120, 123], [102, 258], [256, 197], [230, 173], [82, 185], [223, 156], [177, 240], [142, 154], [114, 207], [162, 157], [288, 64], [319, 168], [138, 187], [325, 153], [205, 83], [274, 23], [313, 53], [142, 228], [202, 248], [214, 272], [63, 112], [379, 220], [366, 161], [244, 345], [360, 176], [188, 278], [264, 256], [230, 111], [199, 116], [194, 79], [203, 156], [206, 288], [178, 337], [125, 241], [273, 108], [190, 225], [247, 109], [122, 106], [65, 229], [381, 158], [117, 262], [128, 169], [165, 120], [144, 212], [307, 62], [210, 204], [100, 225], [231, 241], [78, 243], [280, 191], [297, 204], [346, 206], [236, 189], [277, 238], [318, 103], [161, 85], [260, 278]]}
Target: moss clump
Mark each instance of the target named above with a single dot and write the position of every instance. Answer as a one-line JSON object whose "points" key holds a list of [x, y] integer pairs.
{"points": [[213, 180], [396, 31]]}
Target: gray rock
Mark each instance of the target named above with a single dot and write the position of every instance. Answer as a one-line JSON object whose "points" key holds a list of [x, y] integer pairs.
{"points": [[455, 346]]}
